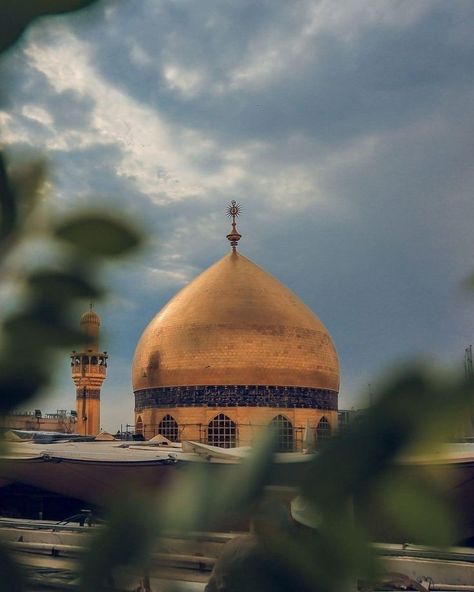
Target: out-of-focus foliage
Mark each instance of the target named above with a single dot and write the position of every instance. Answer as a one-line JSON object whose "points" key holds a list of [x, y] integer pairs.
{"points": [[132, 529], [98, 236], [469, 283], [45, 321], [197, 500], [412, 410], [10, 572], [201, 499], [363, 469], [20, 188], [16, 15]]}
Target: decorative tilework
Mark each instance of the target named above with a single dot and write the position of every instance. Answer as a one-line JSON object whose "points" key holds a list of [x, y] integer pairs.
{"points": [[235, 396], [87, 393]]}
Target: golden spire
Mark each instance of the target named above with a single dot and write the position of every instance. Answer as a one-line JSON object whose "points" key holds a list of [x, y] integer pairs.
{"points": [[233, 211]]}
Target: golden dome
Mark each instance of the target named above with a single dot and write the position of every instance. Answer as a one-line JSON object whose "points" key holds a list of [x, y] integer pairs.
{"points": [[235, 324], [90, 318], [90, 324]]}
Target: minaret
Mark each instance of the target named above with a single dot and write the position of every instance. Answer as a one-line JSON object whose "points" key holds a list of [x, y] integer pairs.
{"points": [[89, 370]]}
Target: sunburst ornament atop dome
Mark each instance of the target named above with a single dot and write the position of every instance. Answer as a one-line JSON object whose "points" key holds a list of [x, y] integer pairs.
{"points": [[233, 211]]}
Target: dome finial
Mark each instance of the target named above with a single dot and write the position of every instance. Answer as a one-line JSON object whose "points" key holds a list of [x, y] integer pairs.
{"points": [[233, 211]]}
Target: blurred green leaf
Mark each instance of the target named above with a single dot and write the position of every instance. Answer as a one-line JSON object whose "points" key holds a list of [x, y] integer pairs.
{"points": [[99, 235], [41, 329], [245, 485], [411, 411], [366, 447], [469, 282], [62, 286], [12, 579], [208, 494], [327, 559], [8, 205], [17, 386], [20, 187], [27, 179], [416, 509], [187, 504], [126, 540], [16, 15]]}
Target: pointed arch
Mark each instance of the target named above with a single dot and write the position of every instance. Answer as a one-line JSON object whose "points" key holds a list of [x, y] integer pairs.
{"points": [[168, 427], [139, 425], [323, 429], [222, 431], [285, 433]]}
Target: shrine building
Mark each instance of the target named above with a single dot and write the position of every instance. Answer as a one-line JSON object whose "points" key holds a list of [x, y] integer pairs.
{"points": [[234, 351]]}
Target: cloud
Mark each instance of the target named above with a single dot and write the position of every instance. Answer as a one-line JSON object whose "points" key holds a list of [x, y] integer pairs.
{"points": [[382, 53]]}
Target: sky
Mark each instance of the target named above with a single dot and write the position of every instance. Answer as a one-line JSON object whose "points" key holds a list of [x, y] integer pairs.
{"points": [[344, 128]]}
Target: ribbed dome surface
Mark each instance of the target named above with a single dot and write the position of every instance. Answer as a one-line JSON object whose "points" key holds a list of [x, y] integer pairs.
{"points": [[235, 325], [90, 318]]}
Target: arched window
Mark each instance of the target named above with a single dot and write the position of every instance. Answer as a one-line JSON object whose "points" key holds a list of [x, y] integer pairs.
{"points": [[284, 429], [169, 428], [139, 425], [222, 432], [323, 431]]}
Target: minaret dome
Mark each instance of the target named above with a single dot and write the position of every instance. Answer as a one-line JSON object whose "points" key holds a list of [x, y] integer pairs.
{"points": [[90, 326]]}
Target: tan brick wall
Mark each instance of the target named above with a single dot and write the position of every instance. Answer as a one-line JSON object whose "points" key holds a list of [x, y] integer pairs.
{"points": [[89, 408], [29, 422], [88, 376], [193, 421]]}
